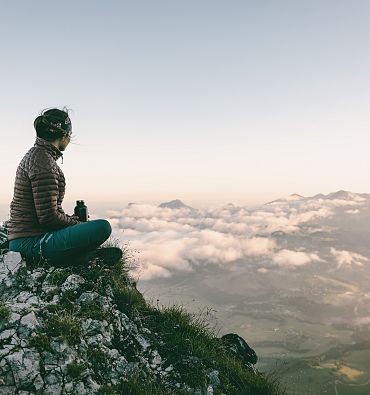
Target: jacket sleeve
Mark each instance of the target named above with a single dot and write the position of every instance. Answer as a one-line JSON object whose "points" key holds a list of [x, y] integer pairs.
{"points": [[45, 195]]}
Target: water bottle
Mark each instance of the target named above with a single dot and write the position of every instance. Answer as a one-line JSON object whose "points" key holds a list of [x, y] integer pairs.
{"points": [[81, 210]]}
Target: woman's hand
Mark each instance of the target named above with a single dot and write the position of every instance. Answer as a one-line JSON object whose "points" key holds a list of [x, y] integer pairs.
{"points": [[74, 217]]}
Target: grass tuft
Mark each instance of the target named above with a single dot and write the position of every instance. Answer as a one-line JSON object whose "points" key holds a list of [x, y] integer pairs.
{"points": [[75, 369], [139, 384], [99, 362], [130, 262], [94, 311], [4, 312], [41, 342], [128, 299], [58, 277], [188, 342], [64, 326]]}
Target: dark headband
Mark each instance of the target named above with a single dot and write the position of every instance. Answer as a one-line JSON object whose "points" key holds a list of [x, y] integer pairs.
{"points": [[55, 126]]}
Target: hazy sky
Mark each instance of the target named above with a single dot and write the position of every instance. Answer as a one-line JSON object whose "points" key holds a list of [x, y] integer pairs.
{"points": [[204, 101]]}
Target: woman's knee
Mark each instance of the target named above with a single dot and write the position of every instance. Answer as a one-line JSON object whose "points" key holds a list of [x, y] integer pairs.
{"points": [[104, 228]]}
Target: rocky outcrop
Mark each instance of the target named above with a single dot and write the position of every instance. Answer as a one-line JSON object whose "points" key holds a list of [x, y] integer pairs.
{"points": [[239, 349], [87, 330]]}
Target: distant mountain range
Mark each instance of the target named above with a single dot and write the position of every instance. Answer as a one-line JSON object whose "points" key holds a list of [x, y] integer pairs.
{"points": [[295, 197], [342, 195]]}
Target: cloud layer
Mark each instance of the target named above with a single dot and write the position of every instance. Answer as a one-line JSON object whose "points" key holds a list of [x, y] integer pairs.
{"points": [[178, 240]]}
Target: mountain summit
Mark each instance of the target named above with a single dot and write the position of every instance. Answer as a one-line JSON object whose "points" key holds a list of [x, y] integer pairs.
{"points": [[175, 204], [291, 198], [88, 330]]}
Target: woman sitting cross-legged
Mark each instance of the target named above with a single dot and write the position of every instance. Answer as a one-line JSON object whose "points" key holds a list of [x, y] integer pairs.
{"points": [[38, 227]]}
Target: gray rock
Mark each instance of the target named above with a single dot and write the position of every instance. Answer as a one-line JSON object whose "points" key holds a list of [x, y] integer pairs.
{"points": [[25, 366], [15, 340], [55, 389], [68, 388], [86, 297], [5, 350], [14, 318], [53, 378], [12, 262], [156, 360], [80, 388], [38, 382], [30, 321], [8, 390], [214, 379], [7, 378], [113, 353], [92, 385], [50, 359], [27, 297], [72, 283], [8, 333], [143, 342]]}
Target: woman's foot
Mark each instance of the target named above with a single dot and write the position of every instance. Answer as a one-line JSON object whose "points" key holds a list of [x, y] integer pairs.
{"points": [[107, 256]]}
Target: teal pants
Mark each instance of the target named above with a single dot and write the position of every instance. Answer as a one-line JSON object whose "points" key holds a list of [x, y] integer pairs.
{"points": [[64, 246]]}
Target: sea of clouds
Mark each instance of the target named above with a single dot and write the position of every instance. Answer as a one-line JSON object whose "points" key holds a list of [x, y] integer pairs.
{"points": [[172, 240]]}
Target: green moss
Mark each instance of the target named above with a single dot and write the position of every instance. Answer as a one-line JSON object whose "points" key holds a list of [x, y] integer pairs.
{"points": [[127, 346], [58, 276], [68, 298], [27, 387], [64, 326], [75, 369], [90, 273], [4, 312], [94, 311], [139, 384], [41, 342], [97, 356], [96, 277], [108, 390], [54, 308], [99, 363], [128, 299]]}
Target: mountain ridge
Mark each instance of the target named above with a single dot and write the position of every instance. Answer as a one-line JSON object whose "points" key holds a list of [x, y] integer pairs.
{"points": [[341, 194]]}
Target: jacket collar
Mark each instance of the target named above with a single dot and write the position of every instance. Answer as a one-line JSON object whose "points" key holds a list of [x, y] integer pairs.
{"points": [[46, 145]]}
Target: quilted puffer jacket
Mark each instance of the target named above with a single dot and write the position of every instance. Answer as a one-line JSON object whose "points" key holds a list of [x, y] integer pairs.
{"points": [[39, 190]]}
